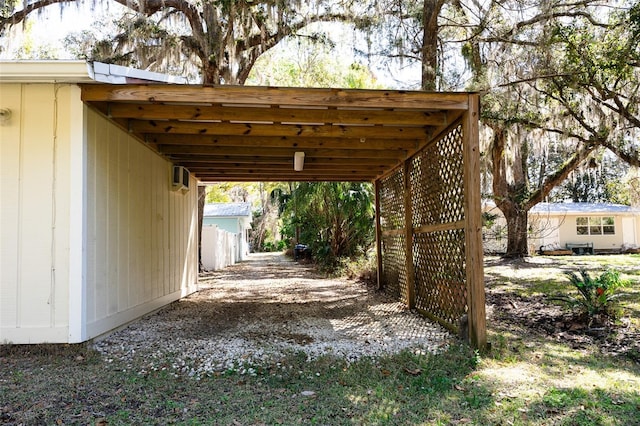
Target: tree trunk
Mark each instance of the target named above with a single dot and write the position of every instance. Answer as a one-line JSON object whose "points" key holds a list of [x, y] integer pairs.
{"points": [[510, 189], [210, 73], [431, 11], [517, 226]]}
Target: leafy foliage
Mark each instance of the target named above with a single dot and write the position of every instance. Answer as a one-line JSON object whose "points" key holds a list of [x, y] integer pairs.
{"points": [[334, 219], [595, 295], [597, 79], [221, 39], [602, 179], [562, 83], [310, 60]]}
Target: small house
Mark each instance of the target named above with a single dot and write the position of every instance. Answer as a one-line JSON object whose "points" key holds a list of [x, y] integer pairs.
{"points": [[581, 228], [234, 218], [94, 231], [586, 227]]}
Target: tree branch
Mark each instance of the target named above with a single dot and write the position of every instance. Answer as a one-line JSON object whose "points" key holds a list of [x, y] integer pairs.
{"points": [[631, 157], [20, 15], [546, 17], [559, 175]]}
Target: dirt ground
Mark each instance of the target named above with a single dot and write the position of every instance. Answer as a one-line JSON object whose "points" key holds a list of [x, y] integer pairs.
{"points": [[537, 314], [243, 340], [254, 312], [257, 311]]}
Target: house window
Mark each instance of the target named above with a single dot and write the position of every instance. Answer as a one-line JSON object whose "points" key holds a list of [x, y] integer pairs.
{"points": [[597, 225]]}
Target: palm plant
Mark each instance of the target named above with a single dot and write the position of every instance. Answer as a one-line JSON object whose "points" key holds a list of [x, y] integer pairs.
{"points": [[335, 219], [595, 295]]}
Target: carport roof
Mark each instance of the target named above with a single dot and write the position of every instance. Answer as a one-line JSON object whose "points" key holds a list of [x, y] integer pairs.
{"points": [[243, 133]]}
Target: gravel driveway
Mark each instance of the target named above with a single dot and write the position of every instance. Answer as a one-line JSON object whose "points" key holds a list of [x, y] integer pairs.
{"points": [[254, 313]]}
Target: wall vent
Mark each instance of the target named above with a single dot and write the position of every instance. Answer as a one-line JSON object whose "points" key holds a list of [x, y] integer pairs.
{"points": [[180, 178]]}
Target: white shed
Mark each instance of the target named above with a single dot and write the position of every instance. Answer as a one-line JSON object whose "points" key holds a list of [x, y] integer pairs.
{"points": [[93, 233], [234, 218]]}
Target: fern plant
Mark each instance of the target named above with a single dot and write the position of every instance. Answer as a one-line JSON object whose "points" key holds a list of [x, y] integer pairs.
{"points": [[595, 295]]}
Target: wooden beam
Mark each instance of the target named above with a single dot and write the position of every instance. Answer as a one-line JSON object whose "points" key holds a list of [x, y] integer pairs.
{"points": [[195, 167], [283, 142], [282, 177], [277, 130], [251, 95], [408, 236], [288, 172], [393, 232], [277, 115], [212, 179], [476, 315], [279, 152], [379, 265], [439, 227], [227, 160]]}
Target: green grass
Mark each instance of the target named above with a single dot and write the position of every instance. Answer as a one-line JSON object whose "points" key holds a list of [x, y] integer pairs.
{"points": [[522, 382], [526, 379], [546, 277]]}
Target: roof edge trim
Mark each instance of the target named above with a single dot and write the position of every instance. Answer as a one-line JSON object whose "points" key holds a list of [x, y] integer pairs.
{"points": [[72, 71], [44, 72]]}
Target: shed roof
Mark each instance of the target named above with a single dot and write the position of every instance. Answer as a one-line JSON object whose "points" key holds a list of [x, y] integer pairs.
{"points": [[583, 208], [63, 71], [227, 210]]}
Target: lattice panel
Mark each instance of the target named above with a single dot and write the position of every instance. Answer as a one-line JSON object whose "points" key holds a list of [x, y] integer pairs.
{"points": [[392, 201], [394, 253], [440, 277], [394, 269], [437, 185]]}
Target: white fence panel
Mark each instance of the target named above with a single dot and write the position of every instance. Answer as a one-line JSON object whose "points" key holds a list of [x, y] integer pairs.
{"points": [[219, 248]]}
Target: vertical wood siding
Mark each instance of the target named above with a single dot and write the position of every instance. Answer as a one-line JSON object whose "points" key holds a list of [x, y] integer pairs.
{"points": [[34, 213], [141, 235], [140, 241]]}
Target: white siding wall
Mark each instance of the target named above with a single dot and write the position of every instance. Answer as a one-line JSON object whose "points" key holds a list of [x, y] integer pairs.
{"points": [[563, 229], [35, 200], [545, 231], [142, 250], [569, 234], [631, 230], [92, 236]]}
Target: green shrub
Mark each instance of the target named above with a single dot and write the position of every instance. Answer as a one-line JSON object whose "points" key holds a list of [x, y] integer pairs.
{"points": [[334, 219], [362, 268], [595, 295]]}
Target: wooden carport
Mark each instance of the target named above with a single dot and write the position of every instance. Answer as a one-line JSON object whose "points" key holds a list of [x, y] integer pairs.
{"points": [[419, 149]]}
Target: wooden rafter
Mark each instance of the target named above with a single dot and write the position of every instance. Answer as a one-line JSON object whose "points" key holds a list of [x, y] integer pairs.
{"points": [[275, 130], [278, 115], [251, 133]]}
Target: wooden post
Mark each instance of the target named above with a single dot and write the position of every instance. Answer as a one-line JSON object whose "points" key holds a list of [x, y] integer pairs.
{"points": [[378, 234], [473, 226], [408, 232]]}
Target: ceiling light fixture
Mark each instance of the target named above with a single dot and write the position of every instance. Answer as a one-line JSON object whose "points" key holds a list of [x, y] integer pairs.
{"points": [[298, 161]]}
